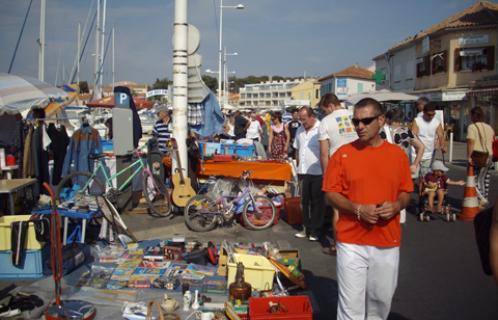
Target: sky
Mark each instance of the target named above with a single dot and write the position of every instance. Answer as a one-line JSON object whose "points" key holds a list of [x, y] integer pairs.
{"points": [[271, 37]]}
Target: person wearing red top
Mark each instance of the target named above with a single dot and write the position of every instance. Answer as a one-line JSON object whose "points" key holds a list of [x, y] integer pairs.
{"points": [[369, 181]]}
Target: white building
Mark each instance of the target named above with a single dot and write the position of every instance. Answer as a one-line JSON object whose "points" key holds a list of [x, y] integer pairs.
{"points": [[351, 80], [267, 95]]}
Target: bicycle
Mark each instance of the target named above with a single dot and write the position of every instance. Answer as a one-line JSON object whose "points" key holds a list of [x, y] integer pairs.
{"points": [[203, 212], [79, 188]]}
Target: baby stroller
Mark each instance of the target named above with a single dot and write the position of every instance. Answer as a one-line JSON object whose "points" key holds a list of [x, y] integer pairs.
{"points": [[425, 189]]}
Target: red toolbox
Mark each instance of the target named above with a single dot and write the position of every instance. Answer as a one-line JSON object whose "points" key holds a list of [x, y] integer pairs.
{"points": [[289, 308]]}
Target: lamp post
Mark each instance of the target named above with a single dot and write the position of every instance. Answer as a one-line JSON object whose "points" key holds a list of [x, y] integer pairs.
{"points": [[220, 48], [225, 73]]}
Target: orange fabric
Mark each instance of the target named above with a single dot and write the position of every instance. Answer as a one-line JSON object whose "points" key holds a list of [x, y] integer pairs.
{"points": [[371, 175], [260, 170]]}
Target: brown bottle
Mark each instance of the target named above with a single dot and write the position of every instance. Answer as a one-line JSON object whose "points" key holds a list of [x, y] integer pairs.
{"points": [[239, 290]]}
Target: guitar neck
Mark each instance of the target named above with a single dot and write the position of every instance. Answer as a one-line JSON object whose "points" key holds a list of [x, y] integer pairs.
{"points": [[180, 170]]}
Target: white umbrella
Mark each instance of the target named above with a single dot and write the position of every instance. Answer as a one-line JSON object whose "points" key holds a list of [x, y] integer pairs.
{"points": [[381, 96], [19, 93]]}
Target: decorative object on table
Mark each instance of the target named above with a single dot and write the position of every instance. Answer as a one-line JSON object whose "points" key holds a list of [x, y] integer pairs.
{"points": [[187, 299], [239, 290], [182, 187], [169, 304], [195, 304], [67, 309]]}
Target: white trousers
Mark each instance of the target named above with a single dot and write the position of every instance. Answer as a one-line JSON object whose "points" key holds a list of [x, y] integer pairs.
{"points": [[367, 277]]}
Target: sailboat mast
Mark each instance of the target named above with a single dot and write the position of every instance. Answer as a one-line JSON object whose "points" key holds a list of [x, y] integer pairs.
{"points": [[102, 45], [78, 54], [41, 50], [113, 58], [96, 90]]}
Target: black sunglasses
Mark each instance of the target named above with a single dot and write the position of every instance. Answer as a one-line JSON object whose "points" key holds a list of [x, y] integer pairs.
{"points": [[365, 121]]}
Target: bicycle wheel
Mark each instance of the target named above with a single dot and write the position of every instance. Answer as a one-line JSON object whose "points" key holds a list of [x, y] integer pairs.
{"points": [[157, 196], [260, 214], [79, 190], [200, 213]]}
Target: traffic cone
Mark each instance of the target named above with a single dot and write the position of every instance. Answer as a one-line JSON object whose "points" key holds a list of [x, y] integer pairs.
{"points": [[470, 201]]}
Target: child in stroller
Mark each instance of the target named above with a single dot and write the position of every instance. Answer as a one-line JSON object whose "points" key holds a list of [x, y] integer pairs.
{"points": [[435, 186]]}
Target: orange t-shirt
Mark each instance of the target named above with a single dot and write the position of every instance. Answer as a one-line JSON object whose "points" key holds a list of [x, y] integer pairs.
{"points": [[368, 175]]}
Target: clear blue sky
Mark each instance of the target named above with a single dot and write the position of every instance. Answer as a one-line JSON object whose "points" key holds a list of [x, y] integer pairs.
{"points": [[272, 37]]}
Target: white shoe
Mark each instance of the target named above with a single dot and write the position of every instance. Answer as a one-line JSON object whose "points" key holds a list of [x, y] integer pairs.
{"points": [[313, 238], [301, 234]]}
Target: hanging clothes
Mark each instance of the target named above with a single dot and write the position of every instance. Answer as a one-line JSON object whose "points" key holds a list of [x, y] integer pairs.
{"points": [[60, 141], [84, 142], [39, 143], [213, 119], [28, 164]]}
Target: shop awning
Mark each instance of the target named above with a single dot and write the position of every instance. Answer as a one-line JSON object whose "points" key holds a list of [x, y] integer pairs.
{"points": [[483, 92]]}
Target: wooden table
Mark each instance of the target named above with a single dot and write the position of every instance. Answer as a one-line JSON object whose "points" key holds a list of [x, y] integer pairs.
{"points": [[14, 185]]}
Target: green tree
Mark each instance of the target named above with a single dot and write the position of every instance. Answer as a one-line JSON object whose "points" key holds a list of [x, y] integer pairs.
{"points": [[211, 82], [161, 83]]}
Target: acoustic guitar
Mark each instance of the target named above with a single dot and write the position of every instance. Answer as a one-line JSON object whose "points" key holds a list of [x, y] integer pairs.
{"points": [[182, 189]]}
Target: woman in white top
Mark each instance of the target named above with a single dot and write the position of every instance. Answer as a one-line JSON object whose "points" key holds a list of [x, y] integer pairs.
{"points": [[480, 138], [254, 130]]}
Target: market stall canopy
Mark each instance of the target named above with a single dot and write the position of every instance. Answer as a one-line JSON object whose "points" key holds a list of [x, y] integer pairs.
{"points": [[19, 93], [108, 102], [381, 96]]}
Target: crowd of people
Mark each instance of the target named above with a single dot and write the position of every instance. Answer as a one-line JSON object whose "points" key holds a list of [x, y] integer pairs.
{"points": [[360, 167]]}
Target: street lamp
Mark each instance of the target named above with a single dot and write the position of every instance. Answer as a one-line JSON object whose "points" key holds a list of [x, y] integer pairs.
{"points": [[220, 48], [225, 73]]}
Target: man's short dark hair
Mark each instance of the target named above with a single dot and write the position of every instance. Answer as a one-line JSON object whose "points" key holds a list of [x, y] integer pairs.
{"points": [[397, 115], [369, 102], [429, 107], [329, 98], [423, 100], [477, 114], [309, 111]]}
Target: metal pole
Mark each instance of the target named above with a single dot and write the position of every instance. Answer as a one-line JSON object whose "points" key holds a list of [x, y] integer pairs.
{"points": [[451, 147], [41, 52], [220, 51], [223, 102], [78, 55], [102, 45], [180, 83], [96, 91], [113, 58]]}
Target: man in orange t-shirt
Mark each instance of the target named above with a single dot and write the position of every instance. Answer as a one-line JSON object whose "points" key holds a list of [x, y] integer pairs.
{"points": [[369, 181]]}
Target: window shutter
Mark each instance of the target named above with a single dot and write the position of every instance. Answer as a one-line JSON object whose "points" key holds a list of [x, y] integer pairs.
{"points": [[458, 60], [490, 51]]}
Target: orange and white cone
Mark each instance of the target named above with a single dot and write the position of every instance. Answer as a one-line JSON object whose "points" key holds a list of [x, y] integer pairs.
{"points": [[470, 201]]}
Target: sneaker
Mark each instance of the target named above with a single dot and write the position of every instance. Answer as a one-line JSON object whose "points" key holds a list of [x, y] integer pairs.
{"points": [[313, 238], [301, 234]]}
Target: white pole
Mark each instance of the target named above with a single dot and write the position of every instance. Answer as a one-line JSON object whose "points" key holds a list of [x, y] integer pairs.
{"points": [[113, 58], [451, 147], [220, 51], [180, 83], [41, 52], [96, 91], [222, 103], [102, 45], [78, 55]]}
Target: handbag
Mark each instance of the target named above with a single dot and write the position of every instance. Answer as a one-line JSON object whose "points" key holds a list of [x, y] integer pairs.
{"points": [[479, 158]]}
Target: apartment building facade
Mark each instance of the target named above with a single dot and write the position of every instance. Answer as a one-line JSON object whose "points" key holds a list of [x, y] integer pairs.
{"points": [[445, 62], [307, 92], [268, 94], [354, 79]]}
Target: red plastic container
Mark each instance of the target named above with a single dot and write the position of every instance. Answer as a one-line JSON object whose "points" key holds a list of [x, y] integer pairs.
{"points": [[293, 213], [10, 160], [290, 308]]}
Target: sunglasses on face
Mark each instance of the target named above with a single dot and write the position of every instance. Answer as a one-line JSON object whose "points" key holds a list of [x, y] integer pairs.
{"points": [[365, 121]]}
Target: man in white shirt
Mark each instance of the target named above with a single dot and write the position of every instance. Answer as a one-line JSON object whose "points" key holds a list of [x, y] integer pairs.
{"points": [[430, 131], [310, 174], [335, 130]]}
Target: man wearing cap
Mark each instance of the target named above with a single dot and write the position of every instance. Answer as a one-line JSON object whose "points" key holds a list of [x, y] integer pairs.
{"points": [[162, 128], [436, 183]]}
